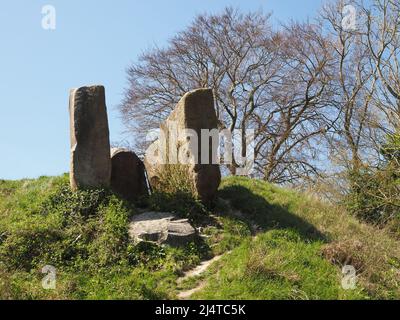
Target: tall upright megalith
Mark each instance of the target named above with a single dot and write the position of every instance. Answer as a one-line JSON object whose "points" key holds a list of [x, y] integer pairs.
{"points": [[189, 137], [90, 144]]}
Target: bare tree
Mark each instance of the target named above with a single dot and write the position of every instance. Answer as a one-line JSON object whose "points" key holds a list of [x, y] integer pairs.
{"points": [[272, 82], [383, 40], [354, 85], [227, 53], [298, 111]]}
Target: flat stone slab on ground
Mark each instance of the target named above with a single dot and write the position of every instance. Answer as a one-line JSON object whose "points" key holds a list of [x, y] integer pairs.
{"points": [[161, 228]]}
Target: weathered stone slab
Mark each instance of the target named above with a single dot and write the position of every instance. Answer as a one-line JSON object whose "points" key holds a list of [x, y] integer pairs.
{"points": [[181, 143], [90, 144], [161, 228], [128, 177]]}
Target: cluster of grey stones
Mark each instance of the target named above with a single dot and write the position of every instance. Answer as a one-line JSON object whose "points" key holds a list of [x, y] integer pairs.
{"points": [[95, 165]]}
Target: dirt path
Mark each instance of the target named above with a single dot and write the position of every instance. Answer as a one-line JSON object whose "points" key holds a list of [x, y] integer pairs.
{"points": [[198, 271], [205, 265], [185, 295]]}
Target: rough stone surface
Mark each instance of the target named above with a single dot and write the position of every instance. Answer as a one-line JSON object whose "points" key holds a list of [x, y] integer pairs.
{"points": [[194, 112], [161, 228], [152, 162], [127, 174], [90, 144]]}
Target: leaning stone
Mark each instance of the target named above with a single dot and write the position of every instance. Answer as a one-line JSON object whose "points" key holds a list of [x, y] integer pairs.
{"points": [[195, 112], [90, 145], [128, 177], [161, 228]]}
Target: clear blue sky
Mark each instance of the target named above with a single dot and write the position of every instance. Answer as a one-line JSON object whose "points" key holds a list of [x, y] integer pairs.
{"points": [[94, 42]]}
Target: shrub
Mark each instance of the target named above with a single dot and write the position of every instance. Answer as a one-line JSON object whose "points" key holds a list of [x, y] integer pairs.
{"points": [[374, 195], [70, 229]]}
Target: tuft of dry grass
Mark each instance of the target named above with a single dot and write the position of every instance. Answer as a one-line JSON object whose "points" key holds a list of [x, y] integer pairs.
{"points": [[174, 178], [343, 253]]}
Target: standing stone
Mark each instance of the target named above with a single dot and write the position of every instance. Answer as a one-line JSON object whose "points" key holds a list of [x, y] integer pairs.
{"points": [[90, 144], [128, 177], [195, 112]]}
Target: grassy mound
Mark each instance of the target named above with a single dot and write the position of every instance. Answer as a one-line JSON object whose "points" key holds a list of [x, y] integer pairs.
{"points": [[277, 265], [84, 235], [301, 250], [298, 253]]}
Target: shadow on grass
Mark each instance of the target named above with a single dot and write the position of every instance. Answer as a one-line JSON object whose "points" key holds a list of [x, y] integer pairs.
{"points": [[183, 205], [267, 216]]}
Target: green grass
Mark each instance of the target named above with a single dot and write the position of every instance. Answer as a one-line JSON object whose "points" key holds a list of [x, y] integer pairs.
{"points": [[85, 236], [277, 265], [298, 252]]}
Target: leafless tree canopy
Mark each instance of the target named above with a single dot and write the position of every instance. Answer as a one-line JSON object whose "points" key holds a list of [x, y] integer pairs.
{"points": [[318, 95]]}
